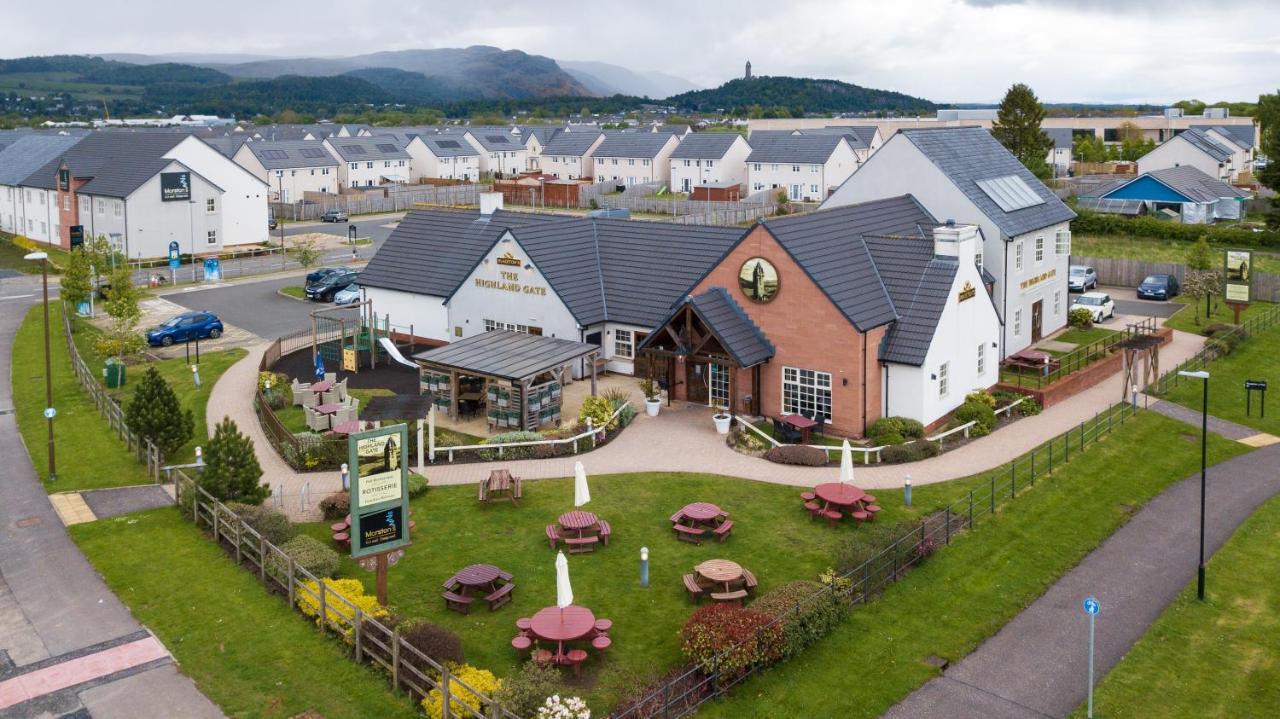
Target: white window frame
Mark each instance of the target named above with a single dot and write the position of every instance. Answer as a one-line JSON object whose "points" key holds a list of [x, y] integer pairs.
{"points": [[1057, 302], [944, 379], [1062, 242], [491, 325], [806, 388], [1017, 322], [1018, 256], [624, 344], [117, 208], [982, 358], [1039, 251], [211, 237], [210, 205]]}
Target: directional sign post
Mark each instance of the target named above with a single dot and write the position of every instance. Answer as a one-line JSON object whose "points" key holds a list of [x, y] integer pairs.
{"points": [[174, 260], [1091, 608], [1250, 385]]}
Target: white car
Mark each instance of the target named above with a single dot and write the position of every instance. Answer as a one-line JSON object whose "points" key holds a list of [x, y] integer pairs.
{"points": [[1099, 303]]}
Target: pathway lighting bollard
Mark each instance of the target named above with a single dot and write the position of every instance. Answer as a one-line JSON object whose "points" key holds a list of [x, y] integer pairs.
{"points": [[346, 478], [195, 374], [644, 566], [1135, 397], [199, 456], [906, 491]]}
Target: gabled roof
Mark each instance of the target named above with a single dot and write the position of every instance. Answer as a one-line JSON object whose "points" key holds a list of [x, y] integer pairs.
{"points": [[739, 336], [28, 153], [801, 149], [285, 154], [362, 149], [117, 162], [1190, 182], [705, 146], [507, 354], [859, 136], [496, 140], [636, 144], [1243, 135], [229, 144], [829, 246], [966, 155], [573, 144], [445, 146], [1201, 140], [544, 133], [919, 284], [1062, 137]]}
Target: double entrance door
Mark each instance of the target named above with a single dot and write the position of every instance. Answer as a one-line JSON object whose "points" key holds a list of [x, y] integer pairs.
{"points": [[708, 383]]}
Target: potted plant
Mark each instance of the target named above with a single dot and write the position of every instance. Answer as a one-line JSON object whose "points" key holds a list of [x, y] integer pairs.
{"points": [[652, 397], [723, 419]]}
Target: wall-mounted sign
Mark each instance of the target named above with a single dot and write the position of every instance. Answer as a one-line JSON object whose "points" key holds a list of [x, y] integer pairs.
{"points": [[64, 179], [1033, 281], [509, 282], [967, 292], [1238, 271], [509, 259], [175, 186], [379, 490], [758, 280]]}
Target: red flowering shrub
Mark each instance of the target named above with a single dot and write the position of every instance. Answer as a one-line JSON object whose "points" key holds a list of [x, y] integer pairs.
{"points": [[730, 640]]}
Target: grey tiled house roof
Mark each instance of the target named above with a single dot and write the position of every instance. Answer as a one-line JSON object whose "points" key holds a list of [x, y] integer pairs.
{"points": [[570, 144], [801, 149], [286, 154], [28, 153], [640, 144], [1244, 135], [1206, 144], [705, 146], [117, 162], [363, 149]]}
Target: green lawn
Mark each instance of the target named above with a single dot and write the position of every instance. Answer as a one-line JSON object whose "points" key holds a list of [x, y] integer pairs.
{"points": [[245, 648], [295, 292], [1079, 336], [89, 456], [1185, 319], [11, 257], [1215, 658], [1152, 250], [1255, 359], [967, 592]]}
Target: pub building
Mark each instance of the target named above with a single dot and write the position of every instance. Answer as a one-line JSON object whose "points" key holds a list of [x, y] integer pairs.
{"points": [[849, 314]]}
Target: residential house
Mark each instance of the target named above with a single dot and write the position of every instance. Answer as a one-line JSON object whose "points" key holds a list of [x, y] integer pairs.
{"points": [[635, 158], [1196, 148], [807, 167], [369, 161], [501, 153], [571, 155], [1060, 151], [709, 158], [291, 168], [535, 139], [448, 157]]}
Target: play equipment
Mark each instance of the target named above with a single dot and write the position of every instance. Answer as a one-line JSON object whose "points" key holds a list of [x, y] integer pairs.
{"points": [[352, 337], [394, 352]]}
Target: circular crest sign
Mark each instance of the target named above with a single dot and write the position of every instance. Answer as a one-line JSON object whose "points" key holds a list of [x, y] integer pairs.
{"points": [[758, 280]]}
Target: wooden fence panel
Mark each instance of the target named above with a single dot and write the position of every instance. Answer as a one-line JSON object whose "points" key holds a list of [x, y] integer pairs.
{"points": [[1129, 273]]}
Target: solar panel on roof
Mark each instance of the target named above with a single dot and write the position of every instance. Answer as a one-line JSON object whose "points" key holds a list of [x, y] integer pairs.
{"points": [[387, 147], [313, 152], [448, 144], [496, 139], [1010, 192], [354, 149], [275, 155]]}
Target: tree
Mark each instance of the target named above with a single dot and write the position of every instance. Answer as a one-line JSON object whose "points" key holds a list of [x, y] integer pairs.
{"points": [[232, 472], [1268, 119], [77, 284], [1017, 127], [1201, 279], [156, 414], [121, 338], [306, 252]]}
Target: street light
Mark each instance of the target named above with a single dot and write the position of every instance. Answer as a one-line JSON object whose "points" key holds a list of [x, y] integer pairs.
{"points": [[1204, 450], [43, 259]]}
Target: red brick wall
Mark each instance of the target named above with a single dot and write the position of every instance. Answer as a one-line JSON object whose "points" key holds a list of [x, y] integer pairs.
{"points": [[808, 332], [69, 217]]}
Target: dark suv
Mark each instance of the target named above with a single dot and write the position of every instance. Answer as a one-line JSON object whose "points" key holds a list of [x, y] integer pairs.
{"points": [[323, 289], [1158, 287]]}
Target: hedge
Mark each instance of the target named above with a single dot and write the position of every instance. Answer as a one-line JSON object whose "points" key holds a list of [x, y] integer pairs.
{"points": [[1093, 223], [797, 454], [805, 618]]}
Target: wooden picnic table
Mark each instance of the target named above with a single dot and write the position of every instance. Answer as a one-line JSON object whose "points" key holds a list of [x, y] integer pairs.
{"points": [[348, 427], [578, 521], [499, 482], [802, 423], [484, 580], [322, 386], [702, 512], [556, 625], [839, 493], [1033, 359], [720, 571], [478, 576]]}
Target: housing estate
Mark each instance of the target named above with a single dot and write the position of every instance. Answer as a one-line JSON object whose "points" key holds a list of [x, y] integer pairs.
{"points": [[1185, 193], [635, 158], [571, 155], [291, 168], [369, 161], [807, 167], [1207, 150], [709, 158], [501, 153], [448, 157]]}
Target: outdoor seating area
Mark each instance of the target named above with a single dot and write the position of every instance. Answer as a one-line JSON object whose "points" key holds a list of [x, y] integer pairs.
{"points": [[500, 484], [478, 581], [571, 629], [327, 405], [701, 520], [1033, 360], [580, 531], [720, 579], [834, 501], [797, 428]]}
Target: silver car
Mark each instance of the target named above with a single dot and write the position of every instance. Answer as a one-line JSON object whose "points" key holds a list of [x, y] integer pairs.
{"points": [[1082, 278], [347, 295]]}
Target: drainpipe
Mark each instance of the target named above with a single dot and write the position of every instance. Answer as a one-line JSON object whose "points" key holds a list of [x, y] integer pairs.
{"points": [[1004, 303], [864, 384], [886, 389]]}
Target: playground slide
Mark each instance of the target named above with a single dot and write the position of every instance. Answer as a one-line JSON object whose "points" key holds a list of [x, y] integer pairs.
{"points": [[394, 352]]}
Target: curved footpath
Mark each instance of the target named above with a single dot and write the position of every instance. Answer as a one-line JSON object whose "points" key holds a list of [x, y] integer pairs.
{"points": [[680, 439], [68, 646]]}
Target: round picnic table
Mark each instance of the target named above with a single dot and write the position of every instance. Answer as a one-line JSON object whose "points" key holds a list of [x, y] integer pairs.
{"points": [[701, 512], [554, 625], [719, 570], [839, 493], [478, 575], [578, 520]]}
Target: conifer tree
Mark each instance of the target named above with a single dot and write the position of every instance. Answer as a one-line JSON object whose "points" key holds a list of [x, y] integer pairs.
{"points": [[232, 472], [156, 414], [1017, 127]]}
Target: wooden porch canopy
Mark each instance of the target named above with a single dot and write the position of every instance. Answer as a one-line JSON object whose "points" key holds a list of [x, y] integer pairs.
{"points": [[511, 358]]}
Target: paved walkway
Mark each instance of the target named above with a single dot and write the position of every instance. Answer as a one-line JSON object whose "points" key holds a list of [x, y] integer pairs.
{"points": [[681, 439], [1036, 665], [60, 627], [1230, 430]]}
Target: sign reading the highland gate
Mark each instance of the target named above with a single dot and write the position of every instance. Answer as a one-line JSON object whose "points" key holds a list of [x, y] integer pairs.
{"points": [[509, 282], [1238, 271], [175, 186], [378, 462]]}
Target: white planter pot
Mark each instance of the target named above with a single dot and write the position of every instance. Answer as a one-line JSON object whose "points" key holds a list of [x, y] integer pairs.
{"points": [[722, 423], [651, 407]]}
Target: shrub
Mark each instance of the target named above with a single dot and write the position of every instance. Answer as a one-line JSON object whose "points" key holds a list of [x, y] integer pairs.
{"points": [[984, 416], [338, 614], [617, 396], [1217, 327], [888, 438], [510, 452], [1028, 408], [1080, 317], [155, 413], [481, 680], [231, 468], [886, 427], [982, 397], [911, 428], [913, 451], [808, 611], [558, 707], [650, 389], [433, 640], [271, 524], [417, 485], [730, 640], [523, 693], [598, 410], [797, 454], [280, 383], [308, 553], [1092, 223], [748, 441], [336, 506]]}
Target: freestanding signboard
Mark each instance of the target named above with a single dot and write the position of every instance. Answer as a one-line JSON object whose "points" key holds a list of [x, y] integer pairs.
{"points": [[379, 463], [76, 235], [175, 186]]}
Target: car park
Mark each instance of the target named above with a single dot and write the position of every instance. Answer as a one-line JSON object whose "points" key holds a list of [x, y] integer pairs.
{"points": [[318, 274], [1082, 278], [347, 295], [1099, 304], [271, 221], [326, 287], [334, 216], [1158, 287], [185, 327]]}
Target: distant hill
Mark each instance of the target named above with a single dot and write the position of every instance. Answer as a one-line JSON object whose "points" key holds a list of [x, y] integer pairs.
{"points": [[84, 69], [800, 94], [322, 96], [605, 79]]}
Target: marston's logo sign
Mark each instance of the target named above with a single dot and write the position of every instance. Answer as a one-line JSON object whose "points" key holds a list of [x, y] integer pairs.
{"points": [[509, 259], [967, 292]]}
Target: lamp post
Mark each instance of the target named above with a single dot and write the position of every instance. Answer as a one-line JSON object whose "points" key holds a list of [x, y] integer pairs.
{"points": [[1204, 451], [43, 259], [279, 220]]}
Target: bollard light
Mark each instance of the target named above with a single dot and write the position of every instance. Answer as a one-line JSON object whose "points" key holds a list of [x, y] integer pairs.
{"points": [[644, 566], [199, 456], [1135, 396], [906, 491], [346, 477], [195, 374]]}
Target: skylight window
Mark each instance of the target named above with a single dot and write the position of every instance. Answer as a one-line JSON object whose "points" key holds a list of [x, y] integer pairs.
{"points": [[1010, 192]]}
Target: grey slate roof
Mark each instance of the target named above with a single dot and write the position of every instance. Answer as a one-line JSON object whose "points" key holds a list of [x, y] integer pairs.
{"points": [[1061, 136], [117, 162], [829, 246], [1192, 182], [968, 154], [800, 149], [741, 338], [571, 144], [919, 284], [445, 146], [637, 144], [28, 153], [705, 146], [369, 148], [544, 133], [859, 136], [286, 154], [1206, 144], [1245, 135], [228, 145], [496, 140], [507, 354]]}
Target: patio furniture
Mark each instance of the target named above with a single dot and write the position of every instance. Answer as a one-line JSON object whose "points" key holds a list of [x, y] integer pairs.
{"points": [[581, 545], [331, 396], [813, 508], [838, 496], [322, 386], [554, 624], [723, 530], [327, 408], [601, 643], [819, 423], [350, 427], [575, 658], [832, 516], [521, 643], [802, 423], [457, 602], [675, 518], [309, 398], [785, 433], [605, 531], [300, 392], [808, 496], [524, 624], [330, 376], [1035, 360], [582, 531], [344, 414], [736, 595], [341, 387], [691, 586], [317, 421], [342, 539], [860, 515], [687, 533], [868, 498], [603, 626], [475, 580], [871, 510], [500, 482], [703, 512], [553, 535], [541, 656], [749, 580], [501, 596], [720, 571]]}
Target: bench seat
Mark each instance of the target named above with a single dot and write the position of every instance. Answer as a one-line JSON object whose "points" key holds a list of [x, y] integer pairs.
{"points": [[687, 533], [457, 602], [734, 596], [500, 596]]}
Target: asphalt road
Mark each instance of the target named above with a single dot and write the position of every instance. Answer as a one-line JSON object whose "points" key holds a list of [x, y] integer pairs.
{"points": [[1127, 303], [371, 228], [253, 306]]}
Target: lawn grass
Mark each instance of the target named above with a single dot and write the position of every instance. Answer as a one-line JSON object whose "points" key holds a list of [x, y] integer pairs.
{"points": [[1185, 318], [967, 592], [1080, 336], [1215, 658], [244, 648], [1255, 359], [89, 456], [298, 293], [12, 257], [1126, 247]]}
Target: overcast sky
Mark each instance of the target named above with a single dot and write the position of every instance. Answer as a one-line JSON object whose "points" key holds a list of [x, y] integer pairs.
{"points": [[943, 50]]}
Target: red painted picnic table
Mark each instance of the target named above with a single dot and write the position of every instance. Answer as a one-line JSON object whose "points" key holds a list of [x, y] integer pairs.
{"points": [[327, 408], [322, 386], [478, 575], [802, 423], [702, 512], [578, 520], [349, 427], [839, 493], [571, 624]]}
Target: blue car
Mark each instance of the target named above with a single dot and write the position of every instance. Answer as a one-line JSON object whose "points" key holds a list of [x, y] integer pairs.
{"points": [[1158, 287], [184, 327]]}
